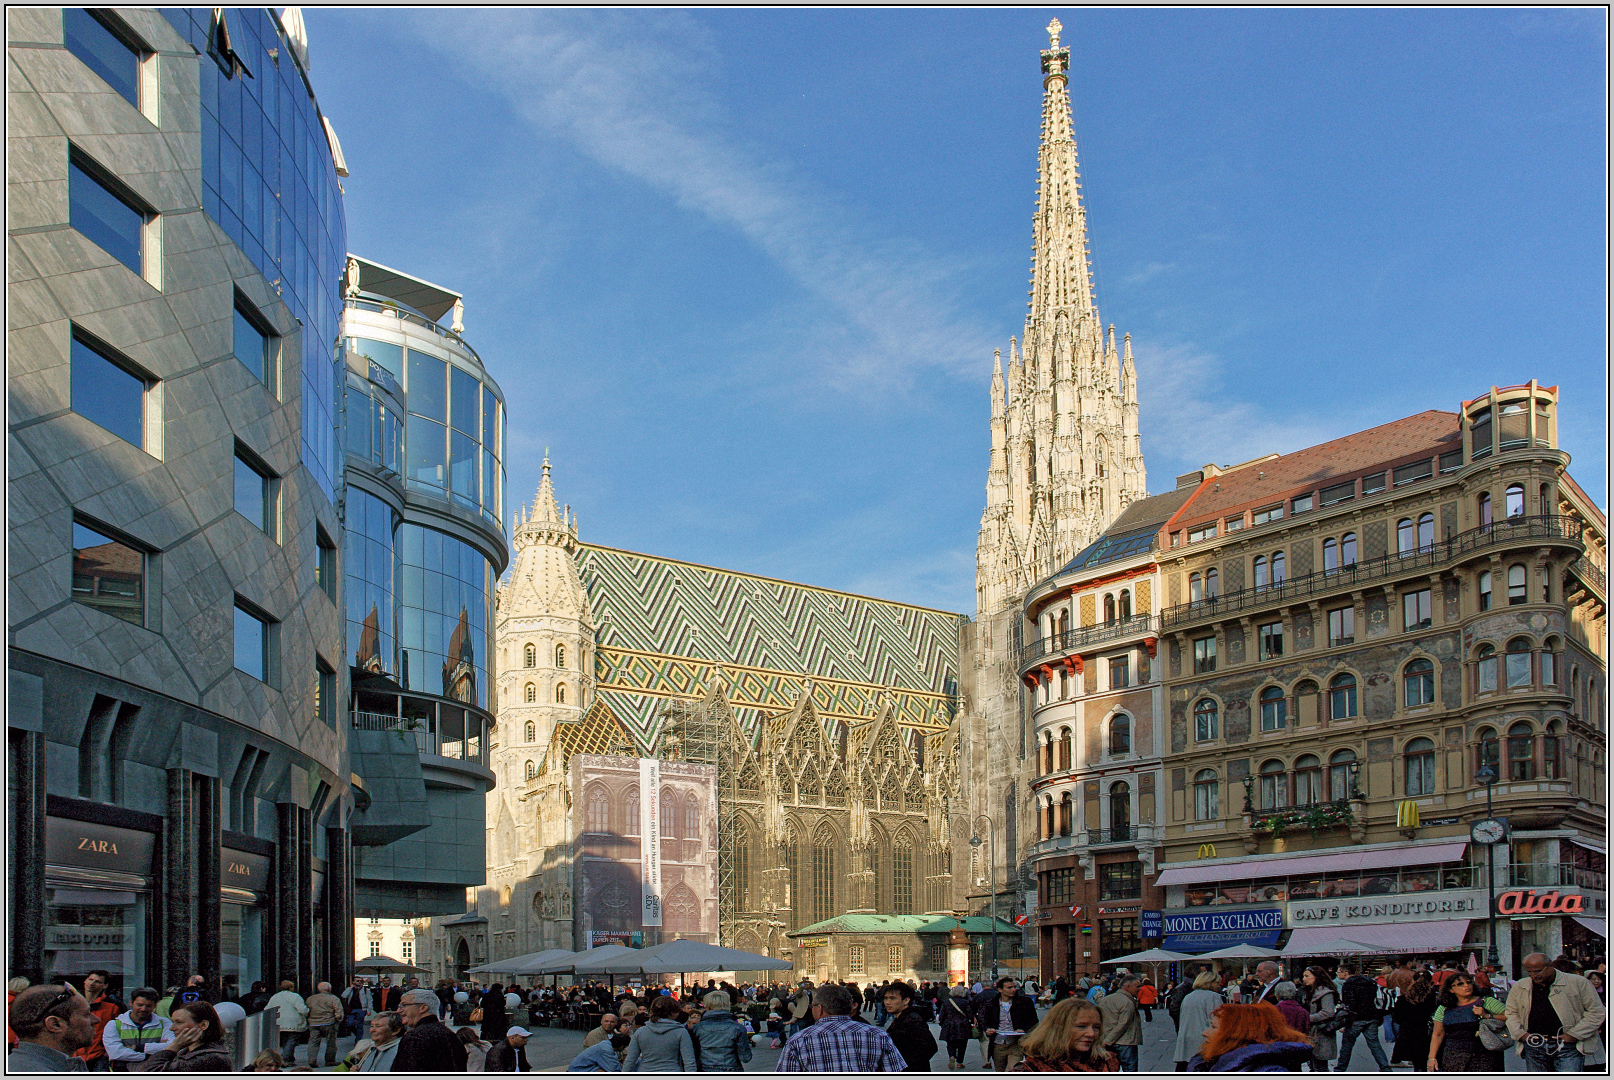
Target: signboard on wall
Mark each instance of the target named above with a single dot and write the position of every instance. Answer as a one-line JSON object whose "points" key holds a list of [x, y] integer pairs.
{"points": [[1469, 904], [1199, 931], [1149, 924], [634, 939], [650, 840]]}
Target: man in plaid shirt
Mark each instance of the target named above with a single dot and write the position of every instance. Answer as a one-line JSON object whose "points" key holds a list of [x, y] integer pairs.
{"points": [[836, 1042]]}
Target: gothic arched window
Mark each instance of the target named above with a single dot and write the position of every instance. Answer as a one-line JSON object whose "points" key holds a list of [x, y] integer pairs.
{"points": [[560, 693], [824, 875], [529, 656], [560, 656], [692, 818], [531, 694], [598, 810], [669, 816], [532, 731], [902, 876], [532, 771], [633, 812]]}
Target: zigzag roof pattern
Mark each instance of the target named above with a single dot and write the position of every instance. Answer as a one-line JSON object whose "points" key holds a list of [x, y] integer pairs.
{"points": [[667, 628]]}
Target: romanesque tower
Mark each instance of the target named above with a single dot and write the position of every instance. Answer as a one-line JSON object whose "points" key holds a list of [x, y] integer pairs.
{"points": [[1065, 460]]}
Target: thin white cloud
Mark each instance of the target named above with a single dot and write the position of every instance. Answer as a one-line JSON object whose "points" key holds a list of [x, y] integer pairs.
{"points": [[629, 91]]}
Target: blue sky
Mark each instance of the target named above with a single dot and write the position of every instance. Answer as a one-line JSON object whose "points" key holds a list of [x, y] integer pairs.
{"points": [[742, 271]]}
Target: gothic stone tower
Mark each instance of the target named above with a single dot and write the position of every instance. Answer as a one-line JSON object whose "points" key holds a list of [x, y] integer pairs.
{"points": [[1065, 461]]}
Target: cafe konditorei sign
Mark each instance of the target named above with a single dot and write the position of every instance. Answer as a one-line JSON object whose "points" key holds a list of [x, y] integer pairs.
{"points": [[1383, 909]]}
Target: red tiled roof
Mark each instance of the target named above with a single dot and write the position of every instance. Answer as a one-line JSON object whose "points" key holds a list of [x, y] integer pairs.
{"points": [[1420, 436]]}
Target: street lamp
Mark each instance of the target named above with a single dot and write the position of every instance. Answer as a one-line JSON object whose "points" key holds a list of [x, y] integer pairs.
{"points": [[991, 880], [1489, 832]]}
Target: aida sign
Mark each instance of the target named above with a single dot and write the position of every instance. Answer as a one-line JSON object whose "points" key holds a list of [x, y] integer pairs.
{"points": [[1530, 902]]}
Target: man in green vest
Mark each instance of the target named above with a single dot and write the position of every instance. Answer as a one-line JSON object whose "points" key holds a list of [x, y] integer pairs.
{"points": [[136, 1033]]}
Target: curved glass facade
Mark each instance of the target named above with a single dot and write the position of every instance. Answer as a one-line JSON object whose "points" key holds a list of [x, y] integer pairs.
{"points": [[370, 557], [268, 178], [445, 615]]}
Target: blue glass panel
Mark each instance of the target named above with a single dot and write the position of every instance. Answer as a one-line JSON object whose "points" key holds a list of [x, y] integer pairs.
{"points": [[102, 52], [427, 455], [251, 346], [489, 484], [103, 217], [230, 174], [252, 202], [466, 401], [490, 419], [251, 493], [384, 353], [249, 644], [358, 425], [107, 394], [462, 467], [210, 153], [426, 392]]}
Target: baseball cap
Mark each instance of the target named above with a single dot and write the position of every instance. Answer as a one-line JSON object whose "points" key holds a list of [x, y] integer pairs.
{"points": [[518, 1031]]}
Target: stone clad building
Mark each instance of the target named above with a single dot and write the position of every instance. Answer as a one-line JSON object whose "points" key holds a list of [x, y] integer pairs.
{"points": [[1352, 632]]}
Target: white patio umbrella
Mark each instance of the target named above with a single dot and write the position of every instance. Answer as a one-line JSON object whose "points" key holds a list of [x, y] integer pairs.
{"points": [[1150, 956], [680, 956], [383, 962], [569, 964], [1239, 952], [1336, 947], [516, 965]]}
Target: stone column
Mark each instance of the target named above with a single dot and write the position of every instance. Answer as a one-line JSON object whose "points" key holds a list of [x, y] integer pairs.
{"points": [[339, 907], [208, 845], [27, 878], [181, 916], [290, 887]]}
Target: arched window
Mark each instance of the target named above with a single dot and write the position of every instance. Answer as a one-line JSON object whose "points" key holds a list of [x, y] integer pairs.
{"points": [[1206, 804], [1483, 506], [739, 850], [1518, 591], [797, 902], [560, 693], [1274, 785], [1120, 811], [560, 656], [1485, 669], [1347, 549], [1342, 774], [531, 694], [1196, 588], [1330, 555], [1121, 734], [1109, 607], [1549, 663], [1064, 814], [532, 731], [1261, 572], [1488, 751], [1406, 537], [1274, 709], [1420, 774], [1277, 568], [692, 817], [1514, 501], [1342, 697], [1064, 748], [529, 656], [902, 876], [824, 875], [1485, 590], [532, 771], [1205, 726], [1521, 752], [1210, 583], [597, 812], [1308, 780], [1551, 762], [1418, 681], [669, 816], [1518, 663], [1126, 604], [1426, 532]]}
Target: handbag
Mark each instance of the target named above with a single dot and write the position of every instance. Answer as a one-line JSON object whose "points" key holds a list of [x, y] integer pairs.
{"points": [[476, 1015], [1493, 1034]]}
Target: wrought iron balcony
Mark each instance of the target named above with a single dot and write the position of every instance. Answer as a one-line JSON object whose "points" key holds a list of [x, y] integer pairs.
{"points": [[1345, 578], [1082, 637]]}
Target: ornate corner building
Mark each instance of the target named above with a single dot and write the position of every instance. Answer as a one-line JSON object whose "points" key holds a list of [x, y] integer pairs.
{"points": [[1065, 461]]}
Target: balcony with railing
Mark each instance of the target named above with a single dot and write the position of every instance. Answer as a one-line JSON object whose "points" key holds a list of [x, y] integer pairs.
{"points": [[1550, 528], [413, 319], [1087, 636]]}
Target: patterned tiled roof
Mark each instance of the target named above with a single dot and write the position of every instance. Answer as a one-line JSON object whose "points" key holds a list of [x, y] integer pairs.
{"points": [[1265, 482]]}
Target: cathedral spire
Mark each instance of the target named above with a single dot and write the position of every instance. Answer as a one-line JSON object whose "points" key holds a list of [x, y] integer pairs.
{"points": [[1061, 277], [544, 506]]}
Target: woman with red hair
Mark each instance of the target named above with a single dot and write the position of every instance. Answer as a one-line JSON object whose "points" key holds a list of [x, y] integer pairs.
{"points": [[1251, 1038]]}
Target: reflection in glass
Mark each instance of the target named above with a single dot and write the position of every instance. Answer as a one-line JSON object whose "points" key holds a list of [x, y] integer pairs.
{"points": [[87, 929], [427, 390], [466, 401], [87, 38], [462, 467], [444, 613], [107, 394], [251, 643], [370, 558], [108, 575], [489, 419], [104, 217], [240, 946], [387, 355], [426, 452]]}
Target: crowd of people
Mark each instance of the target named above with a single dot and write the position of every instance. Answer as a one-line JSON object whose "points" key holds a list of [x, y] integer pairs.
{"points": [[1435, 1018]]}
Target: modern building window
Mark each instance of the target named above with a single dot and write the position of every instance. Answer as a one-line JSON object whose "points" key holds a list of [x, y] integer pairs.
{"points": [[324, 562], [1483, 504], [1205, 725], [1420, 767], [104, 214], [1342, 697], [854, 963], [1204, 655], [109, 575], [529, 656], [1515, 500], [1274, 785], [1308, 780], [1120, 734], [1261, 572], [1274, 709], [560, 656], [1120, 670], [255, 346], [1341, 774], [1270, 513], [1485, 590], [1206, 806], [254, 493], [252, 640], [1521, 752], [1518, 592], [1372, 484], [1271, 640], [324, 692], [1485, 669], [1341, 626], [1120, 881], [1300, 504], [107, 391], [1418, 681], [1415, 610], [1518, 663], [105, 49]]}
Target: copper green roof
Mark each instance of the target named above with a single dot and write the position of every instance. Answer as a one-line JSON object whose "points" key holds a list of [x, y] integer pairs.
{"points": [[904, 924]]}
